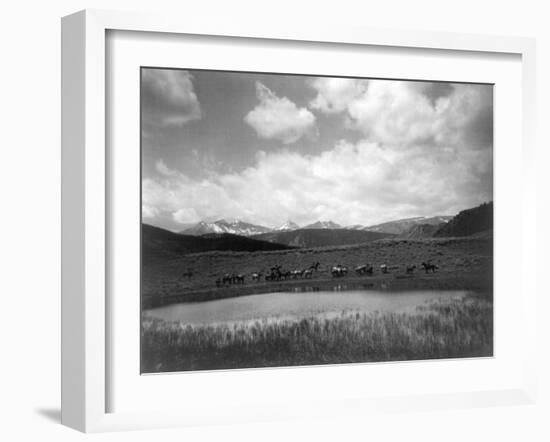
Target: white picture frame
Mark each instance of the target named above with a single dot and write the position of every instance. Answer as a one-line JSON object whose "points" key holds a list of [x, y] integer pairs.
{"points": [[86, 202]]}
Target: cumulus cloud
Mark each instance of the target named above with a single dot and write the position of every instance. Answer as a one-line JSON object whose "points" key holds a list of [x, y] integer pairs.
{"points": [[186, 215], [359, 183], [395, 113], [423, 150], [148, 211], [405, 113], [163, 169], [279, 118], [168, 97], [335, 94]]}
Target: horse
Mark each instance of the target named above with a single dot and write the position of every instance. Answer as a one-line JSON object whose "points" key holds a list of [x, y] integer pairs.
{"points": [[274, 273], [339, 271], [285, 274], [239, 279], [410, 269], [256, 275], [429, 266], [296, 273], [315, 266], [384, 268], [308, 273], [227, 279], [364, 269]]}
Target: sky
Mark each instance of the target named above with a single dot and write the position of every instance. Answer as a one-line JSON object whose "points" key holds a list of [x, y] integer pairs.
{"points": [[268, 148]]}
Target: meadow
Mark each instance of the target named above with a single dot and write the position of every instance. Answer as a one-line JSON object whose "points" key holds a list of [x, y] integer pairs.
{"points": [[464, 263], [449, 328]]}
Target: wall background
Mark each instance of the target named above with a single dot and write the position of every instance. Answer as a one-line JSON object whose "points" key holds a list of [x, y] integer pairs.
{"points": [[30, 215]]}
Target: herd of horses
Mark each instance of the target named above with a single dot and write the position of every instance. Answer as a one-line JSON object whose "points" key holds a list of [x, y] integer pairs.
{"points": [[277, 273]]}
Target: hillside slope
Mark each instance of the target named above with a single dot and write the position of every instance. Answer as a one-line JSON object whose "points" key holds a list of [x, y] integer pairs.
{"points": [[158, 243], [422, 231], [469, 221], [321, 237], [402, 226]]}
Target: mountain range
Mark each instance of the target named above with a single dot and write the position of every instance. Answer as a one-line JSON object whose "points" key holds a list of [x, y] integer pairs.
{"points": [[235, 227], [465, 223], [289, 225], [238, 227], [237, 235], [323, 225]]}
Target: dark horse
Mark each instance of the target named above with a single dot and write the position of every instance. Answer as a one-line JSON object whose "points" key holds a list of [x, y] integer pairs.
{"points": [[285, 274], [429, 266], [238, 279], [410, 269], [315, 266], [364, 269], [275, 274]]}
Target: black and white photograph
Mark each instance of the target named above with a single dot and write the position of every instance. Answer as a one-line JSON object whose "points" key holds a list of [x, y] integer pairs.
{"points": [[294, 220]]}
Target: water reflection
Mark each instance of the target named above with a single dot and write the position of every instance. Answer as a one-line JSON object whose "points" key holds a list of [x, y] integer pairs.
{"points": [[305, 289], [334, 288], [301, 302]]}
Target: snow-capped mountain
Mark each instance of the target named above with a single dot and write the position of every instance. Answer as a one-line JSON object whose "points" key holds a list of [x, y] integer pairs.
{"points": [[289, 225], [323, 225], [238, 227], [235, 227]]}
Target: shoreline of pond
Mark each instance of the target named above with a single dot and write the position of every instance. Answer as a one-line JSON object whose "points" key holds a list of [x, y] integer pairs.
{"points": [[479, 282]]}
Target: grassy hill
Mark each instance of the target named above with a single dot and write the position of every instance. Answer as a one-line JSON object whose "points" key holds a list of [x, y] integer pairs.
{"points": [[158, 243], [469, 222], [464, 263], [422, 231], [403, 226], [321, 237]]}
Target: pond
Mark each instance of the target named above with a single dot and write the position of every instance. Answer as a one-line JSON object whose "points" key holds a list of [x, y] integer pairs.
{"points": [[296, 305]]}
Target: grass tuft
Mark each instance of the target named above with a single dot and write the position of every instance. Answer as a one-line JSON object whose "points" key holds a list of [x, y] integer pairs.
{"points": [[441, 329]]}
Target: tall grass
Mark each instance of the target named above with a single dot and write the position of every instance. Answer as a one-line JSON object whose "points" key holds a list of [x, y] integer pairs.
{"points": [[441, 329]]}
